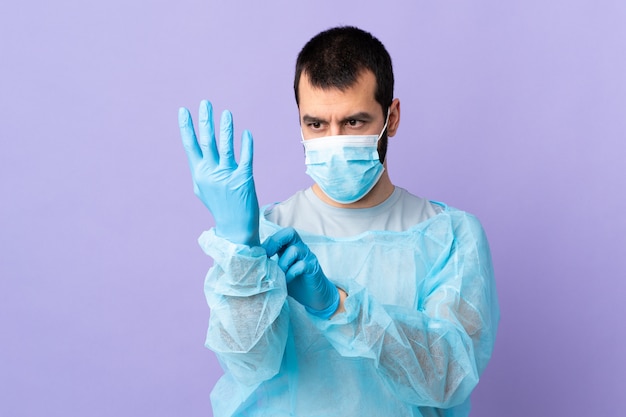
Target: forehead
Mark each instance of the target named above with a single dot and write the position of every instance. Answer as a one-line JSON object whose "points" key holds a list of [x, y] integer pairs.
{"points": [[332, 101]]}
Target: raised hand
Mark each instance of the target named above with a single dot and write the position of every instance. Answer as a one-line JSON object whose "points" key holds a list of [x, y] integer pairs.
{"points": [[225, 187]]}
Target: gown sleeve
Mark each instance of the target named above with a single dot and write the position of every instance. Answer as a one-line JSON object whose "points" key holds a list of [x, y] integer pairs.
{"points": [[248, 326], [431, 355]]}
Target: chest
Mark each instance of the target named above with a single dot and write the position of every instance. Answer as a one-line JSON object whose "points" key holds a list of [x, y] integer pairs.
{"points": [[393, 273]]}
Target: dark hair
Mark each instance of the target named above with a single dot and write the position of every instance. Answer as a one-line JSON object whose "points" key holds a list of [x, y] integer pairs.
{"points": [[336, 57]]}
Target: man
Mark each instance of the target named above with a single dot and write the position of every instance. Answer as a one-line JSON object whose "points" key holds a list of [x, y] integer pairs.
{"points": [[362, 300]]}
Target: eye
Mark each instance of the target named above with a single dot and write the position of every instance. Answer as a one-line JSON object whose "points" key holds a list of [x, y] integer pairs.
{"points": [[354, 123], [315, 125]]}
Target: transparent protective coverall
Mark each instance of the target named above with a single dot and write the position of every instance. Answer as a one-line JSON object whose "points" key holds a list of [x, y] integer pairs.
{"points": [[418, 330]]}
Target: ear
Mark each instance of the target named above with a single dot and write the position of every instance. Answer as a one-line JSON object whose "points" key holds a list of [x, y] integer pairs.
{"points": [[394, 117]]}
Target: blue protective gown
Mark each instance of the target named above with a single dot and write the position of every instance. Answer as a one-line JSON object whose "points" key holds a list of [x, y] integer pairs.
{"points": [[418, 330]]}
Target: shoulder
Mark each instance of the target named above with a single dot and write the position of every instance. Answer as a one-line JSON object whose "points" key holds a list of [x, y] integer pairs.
{"points": [[416, 207], [466, 227]]}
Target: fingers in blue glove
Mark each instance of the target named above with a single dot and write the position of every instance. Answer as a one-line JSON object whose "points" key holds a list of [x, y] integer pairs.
{"points": [[205, 149], [225, 187], [280, 240], [306, 281], [294, 257], [188, 135], [296, 260], [227, 155], [207, 133], [247, 152]]}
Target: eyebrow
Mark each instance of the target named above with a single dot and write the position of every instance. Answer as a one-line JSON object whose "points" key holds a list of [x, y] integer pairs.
{"points": [[310, 119], [365, 116]]}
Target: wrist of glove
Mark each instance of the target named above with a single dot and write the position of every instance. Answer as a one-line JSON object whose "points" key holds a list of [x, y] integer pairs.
{"points": [[306, 281], [327, 312]]}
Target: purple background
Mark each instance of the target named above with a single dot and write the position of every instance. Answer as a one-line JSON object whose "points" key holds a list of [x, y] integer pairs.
{"points": [[512, 110]]}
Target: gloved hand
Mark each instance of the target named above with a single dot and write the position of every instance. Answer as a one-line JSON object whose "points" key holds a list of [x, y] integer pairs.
{"points": [[225, 188], [306, 281]]}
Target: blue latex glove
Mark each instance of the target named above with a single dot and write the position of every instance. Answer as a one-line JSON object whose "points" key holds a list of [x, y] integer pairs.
{"points": [[306, 281], [225, 188]]}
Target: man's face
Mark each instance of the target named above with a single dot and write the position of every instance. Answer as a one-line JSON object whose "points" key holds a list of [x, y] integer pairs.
{"points": [[330, 112]]}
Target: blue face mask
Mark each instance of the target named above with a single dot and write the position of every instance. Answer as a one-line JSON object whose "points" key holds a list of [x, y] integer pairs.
{"points": [[345, 167]]}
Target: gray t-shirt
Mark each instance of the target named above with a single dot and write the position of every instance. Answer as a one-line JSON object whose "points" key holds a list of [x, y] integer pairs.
{"points": [[305, 211]]}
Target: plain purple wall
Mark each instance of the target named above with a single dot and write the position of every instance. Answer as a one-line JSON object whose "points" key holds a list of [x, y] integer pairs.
{"points": [[512, 110]]}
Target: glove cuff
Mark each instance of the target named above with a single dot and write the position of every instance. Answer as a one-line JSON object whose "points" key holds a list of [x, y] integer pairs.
{"points": [[328, 311]]}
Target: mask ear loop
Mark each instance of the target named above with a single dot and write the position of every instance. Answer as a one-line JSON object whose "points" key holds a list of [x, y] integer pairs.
{"points": [[384, 127]]}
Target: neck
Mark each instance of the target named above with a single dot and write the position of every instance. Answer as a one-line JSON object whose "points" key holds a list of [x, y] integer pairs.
{"points": [[381, 191]]}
